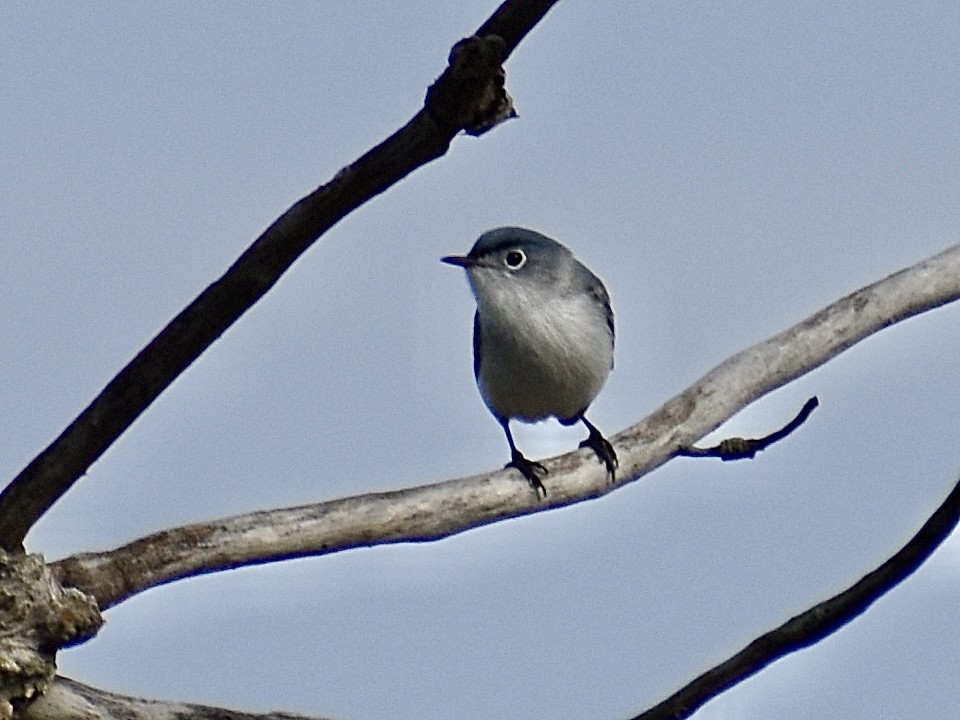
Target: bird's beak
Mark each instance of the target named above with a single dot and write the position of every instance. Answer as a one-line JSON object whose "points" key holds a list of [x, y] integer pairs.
{"points": [[464, 261]]}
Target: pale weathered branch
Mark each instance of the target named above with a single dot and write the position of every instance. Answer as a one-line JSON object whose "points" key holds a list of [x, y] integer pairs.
{"points": [[468, 95], [816, 623], [435, 511], [69, 700]]}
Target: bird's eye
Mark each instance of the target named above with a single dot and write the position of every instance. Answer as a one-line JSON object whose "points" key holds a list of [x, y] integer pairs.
{"points": [[515, 259]]}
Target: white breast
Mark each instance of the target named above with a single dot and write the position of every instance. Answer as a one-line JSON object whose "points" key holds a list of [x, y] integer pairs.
{"points": [[542, 359]]}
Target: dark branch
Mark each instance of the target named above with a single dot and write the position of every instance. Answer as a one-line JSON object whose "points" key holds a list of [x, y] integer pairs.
{"points": [[738, 448], [816, 623], [513, 20], [480, 100]]}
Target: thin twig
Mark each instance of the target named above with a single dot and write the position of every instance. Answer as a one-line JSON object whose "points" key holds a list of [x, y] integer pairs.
{"points": [[738, 448]]}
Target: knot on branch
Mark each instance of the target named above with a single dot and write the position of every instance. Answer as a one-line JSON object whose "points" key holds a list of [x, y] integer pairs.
{"points": [[37, 617], [470, 94], [738, 448]]}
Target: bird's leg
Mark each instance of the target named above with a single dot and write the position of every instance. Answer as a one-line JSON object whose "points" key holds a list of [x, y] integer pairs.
{"points": [[527, 468], [602, 447]]}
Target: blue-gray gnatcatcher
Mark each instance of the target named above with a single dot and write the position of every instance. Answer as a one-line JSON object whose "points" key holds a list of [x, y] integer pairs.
{"points": [[542, 336]]}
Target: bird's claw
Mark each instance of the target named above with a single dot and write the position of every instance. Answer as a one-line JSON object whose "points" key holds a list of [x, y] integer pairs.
{"points": [[604, 450], [529, 469]]}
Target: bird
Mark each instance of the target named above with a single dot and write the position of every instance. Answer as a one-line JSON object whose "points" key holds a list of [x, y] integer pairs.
{"points": [[543, 337]]}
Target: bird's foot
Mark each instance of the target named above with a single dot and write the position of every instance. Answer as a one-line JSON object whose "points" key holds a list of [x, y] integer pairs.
{"points": [[604, 450], [529, 469]]}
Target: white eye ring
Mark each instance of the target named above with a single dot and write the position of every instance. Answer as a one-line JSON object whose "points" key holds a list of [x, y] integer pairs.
{"points": [[515, 259]]}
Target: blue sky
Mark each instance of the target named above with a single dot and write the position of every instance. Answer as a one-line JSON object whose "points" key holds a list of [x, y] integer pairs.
{"points": [[727, 169]]}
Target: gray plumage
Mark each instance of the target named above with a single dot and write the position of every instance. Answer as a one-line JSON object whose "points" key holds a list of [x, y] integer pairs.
{"points": [[543, 335]]}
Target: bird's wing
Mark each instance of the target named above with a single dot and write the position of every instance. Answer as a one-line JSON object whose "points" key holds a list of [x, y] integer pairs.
{"points": [[476, 345]]}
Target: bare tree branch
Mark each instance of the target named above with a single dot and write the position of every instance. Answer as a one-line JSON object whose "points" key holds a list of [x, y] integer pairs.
{"points": [[816, 623], [68, 699], [469, 94], [434, 511]]}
